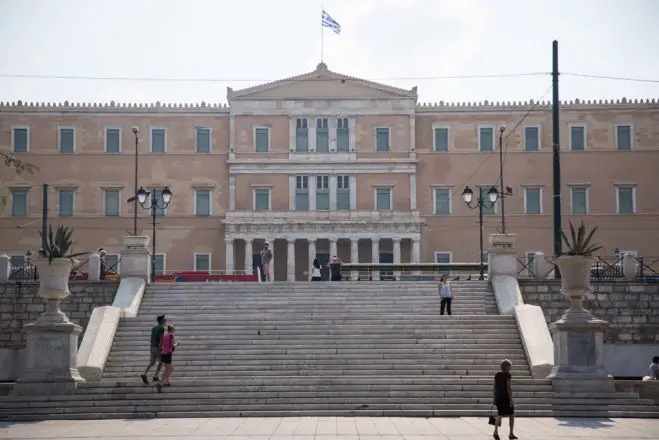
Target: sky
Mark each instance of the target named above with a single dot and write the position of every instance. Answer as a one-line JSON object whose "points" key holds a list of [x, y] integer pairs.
{"points": [[403, 43]]}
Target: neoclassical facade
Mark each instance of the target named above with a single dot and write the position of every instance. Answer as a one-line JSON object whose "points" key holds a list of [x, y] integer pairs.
{"points": [[326, 164]]}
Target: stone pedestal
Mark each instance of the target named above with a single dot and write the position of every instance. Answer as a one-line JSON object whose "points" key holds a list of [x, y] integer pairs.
{"points": [[501, 255], [579, 357], [136, 258]]}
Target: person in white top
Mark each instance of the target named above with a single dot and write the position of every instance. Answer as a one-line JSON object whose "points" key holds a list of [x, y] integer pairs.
{"points": [[446, 295]]}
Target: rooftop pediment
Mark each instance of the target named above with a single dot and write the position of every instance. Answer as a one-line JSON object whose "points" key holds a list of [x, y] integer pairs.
{"points": [[322, 84]]}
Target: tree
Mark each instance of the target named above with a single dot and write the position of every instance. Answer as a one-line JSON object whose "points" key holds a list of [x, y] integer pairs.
{"points": [[17, 165]]}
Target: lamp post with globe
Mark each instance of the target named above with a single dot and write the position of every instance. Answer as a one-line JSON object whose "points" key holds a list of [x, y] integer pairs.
{"points": [[154, 204], [480, 203]]}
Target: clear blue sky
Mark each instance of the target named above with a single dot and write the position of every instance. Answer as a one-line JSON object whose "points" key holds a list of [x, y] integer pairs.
{"points": [[246, 41]]}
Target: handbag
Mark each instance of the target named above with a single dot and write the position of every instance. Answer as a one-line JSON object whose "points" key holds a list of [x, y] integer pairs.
{"points": [[492, 420]]}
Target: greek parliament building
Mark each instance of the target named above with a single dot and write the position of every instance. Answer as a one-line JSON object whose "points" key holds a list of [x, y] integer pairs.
{"points": [[326, 164]]}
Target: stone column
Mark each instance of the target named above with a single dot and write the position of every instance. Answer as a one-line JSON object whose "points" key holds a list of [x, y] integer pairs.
{"points": [[290, 260], [375, 257], [249, 257], [333, 247], [94, 266], [5, 271], [312, 254], [413, 192], [232, 193], [416, 254], [136, 258], [354, 257], [396, 241], [229, 256], [272, 263]]}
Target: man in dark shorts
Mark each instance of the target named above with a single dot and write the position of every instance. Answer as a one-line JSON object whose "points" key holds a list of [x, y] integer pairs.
{"points": [[157, 333]]}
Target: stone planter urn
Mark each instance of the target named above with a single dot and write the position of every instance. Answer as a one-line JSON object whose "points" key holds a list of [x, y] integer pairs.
{"points": [[54, 287], [575, 284]]}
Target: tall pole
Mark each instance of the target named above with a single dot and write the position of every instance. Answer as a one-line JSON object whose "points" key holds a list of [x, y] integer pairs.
{"points": [[502, 194], [556, 152], [44, 215], [154, 205], [137, 144], [480, 228]]}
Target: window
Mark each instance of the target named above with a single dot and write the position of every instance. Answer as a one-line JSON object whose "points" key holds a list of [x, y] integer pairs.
{"points": [[626, 199], [577, 137], [160, 204], [322, 193], [624, 137], [440, 139], [342, 135], [113, 140], [301, 193], [530, 264], [202, 262], [382, 139], [203, 138], [161, 263], [301, 136], [579, 200], [532, 138], [343, 193], [442, 201], [486, 139], [488, 207], [158, 140], [443, 257], [112, 262], [262, 199], [19, 202], [20, 139], [65, 202], [322, 135], [533, 200], [261, 139], [202, 202], [383, 199], [112, 202], [67, 140]]}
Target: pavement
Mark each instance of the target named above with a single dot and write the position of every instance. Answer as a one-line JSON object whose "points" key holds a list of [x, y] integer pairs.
{"points": [[329, 428]]}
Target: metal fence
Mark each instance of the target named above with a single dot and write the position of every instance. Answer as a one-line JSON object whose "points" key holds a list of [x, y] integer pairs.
{"points": [[411, 271], [645, 269]]}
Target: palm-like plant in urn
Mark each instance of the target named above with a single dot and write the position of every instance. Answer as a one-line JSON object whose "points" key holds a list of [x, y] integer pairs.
{"points": [[575, 266]]}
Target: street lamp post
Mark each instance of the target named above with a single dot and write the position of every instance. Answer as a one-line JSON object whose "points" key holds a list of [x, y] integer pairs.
{"points": [[480, 204], [136, 132], [142, 197], [501, 191]]}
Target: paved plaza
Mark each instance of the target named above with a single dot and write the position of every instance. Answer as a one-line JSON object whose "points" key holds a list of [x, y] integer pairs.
{"points": [[329, 428]]}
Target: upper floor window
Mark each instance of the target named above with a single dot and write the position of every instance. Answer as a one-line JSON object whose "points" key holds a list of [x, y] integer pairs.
{"points": [[383, 199], [301, 135], [202, 202], [577, 137], [203, 139], [261, 139], [158, 140], [532, 138], [301, 193], [322, 193], [440, 139], [67, 140], [113, 140], [262, 199], [443, 257], [532, 200], [624, 137], [202, 262], [322, 135], [442, 201], [19, 202], [20, 139], [65, 202], [486, 139], [579, 200], [112, 202], [382, 141], [343, 193], [625, 199], [342, 135]]}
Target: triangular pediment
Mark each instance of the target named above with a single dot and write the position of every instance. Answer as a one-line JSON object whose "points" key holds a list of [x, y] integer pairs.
{"points": [[322, 83]]}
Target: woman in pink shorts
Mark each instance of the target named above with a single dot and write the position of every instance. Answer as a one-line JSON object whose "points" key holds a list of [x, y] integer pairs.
{"points": [[167, 347]]}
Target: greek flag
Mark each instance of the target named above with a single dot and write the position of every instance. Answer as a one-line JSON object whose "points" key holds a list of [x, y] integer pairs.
{"points": [[329, 22]]}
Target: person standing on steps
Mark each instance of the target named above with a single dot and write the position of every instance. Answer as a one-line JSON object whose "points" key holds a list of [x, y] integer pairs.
{"points": [[503, 399], [315, 270], [446, 295], [266, 259], [157, 333], [167, 348]]}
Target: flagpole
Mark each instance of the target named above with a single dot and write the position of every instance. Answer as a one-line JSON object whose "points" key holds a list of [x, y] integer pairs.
{"points": [[322, 34]]}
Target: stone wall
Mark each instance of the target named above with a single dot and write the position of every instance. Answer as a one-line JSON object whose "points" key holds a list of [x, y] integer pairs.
{"points": [[632, 309], [20, 305]]}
